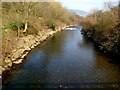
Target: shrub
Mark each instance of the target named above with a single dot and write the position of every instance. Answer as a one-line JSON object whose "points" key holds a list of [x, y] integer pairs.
{"points": [[14, 26], [50, 23], [22, 25]]}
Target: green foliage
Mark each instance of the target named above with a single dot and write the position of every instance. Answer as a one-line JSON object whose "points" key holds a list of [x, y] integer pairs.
{"points": [[22, 25], [15, 26], [6, 26]]}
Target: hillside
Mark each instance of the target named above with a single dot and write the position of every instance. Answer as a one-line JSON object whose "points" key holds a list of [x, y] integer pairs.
{"points": [[79, 12]]}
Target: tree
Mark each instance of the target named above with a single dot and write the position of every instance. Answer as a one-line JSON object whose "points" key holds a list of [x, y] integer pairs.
{"points": [[27, 9]]}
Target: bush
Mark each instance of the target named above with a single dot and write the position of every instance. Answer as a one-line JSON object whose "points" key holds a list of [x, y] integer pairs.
{"points": [[22, 25], [14, 26], [50, 23]]}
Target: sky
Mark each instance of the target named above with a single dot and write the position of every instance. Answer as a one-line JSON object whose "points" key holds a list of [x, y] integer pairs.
{"points": [[85, 5]]}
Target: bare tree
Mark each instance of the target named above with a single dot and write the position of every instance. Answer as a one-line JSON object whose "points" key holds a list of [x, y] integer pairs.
{"points": [[27, 10]]}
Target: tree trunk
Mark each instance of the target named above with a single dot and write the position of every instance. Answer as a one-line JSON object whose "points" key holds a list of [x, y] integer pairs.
{"points": [[18, 26], [26, 26], [18, 30], [27, 12]]}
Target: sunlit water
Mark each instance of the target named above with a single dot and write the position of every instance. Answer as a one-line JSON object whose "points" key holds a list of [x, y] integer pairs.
{"points": [[68, 59]]}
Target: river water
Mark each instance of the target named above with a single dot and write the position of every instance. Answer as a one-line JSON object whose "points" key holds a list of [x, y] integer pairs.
{"points": [[68, 59]]}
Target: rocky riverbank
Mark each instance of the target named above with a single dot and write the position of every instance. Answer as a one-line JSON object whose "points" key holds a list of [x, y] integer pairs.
{"points": [[24, 45]]}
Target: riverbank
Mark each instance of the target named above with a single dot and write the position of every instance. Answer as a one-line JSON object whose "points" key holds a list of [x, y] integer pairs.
{"points": [[103, 28], [25, 45], [67, 53], [102, 46]]}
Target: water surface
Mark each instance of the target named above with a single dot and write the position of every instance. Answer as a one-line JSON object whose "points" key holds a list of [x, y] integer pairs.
{"points": [[68, 59]]}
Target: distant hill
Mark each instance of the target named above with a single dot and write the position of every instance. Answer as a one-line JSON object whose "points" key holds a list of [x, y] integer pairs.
{"points": [[79, 12]]}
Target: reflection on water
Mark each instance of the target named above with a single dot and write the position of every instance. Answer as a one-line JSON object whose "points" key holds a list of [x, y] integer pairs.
{"points": [[67, 57]]}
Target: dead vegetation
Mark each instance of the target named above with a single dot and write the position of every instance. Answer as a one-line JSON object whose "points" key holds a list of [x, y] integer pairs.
{"points": [[104, 28]]}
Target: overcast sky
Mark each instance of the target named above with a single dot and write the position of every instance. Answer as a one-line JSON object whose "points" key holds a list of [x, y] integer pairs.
{"points": [[86, 5]]}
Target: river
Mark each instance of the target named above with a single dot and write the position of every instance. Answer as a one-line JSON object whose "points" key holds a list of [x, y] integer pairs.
{"points": [[68, 59]]}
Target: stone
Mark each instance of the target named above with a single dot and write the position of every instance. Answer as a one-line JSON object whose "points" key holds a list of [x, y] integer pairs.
{"points": [[32, 47], [18, 53], [20, 42], [3, 69], [34, 44], [5, 66], [26, 47], [8, 62], [14, 50], [23, 56], [13, 59], [28, 38], [18, 61]]}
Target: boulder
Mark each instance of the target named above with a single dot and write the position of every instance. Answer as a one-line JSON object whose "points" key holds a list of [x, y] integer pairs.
{"points": [[32, 47], [18, 61], [3, 69], [8, 62], [18, 53]]}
